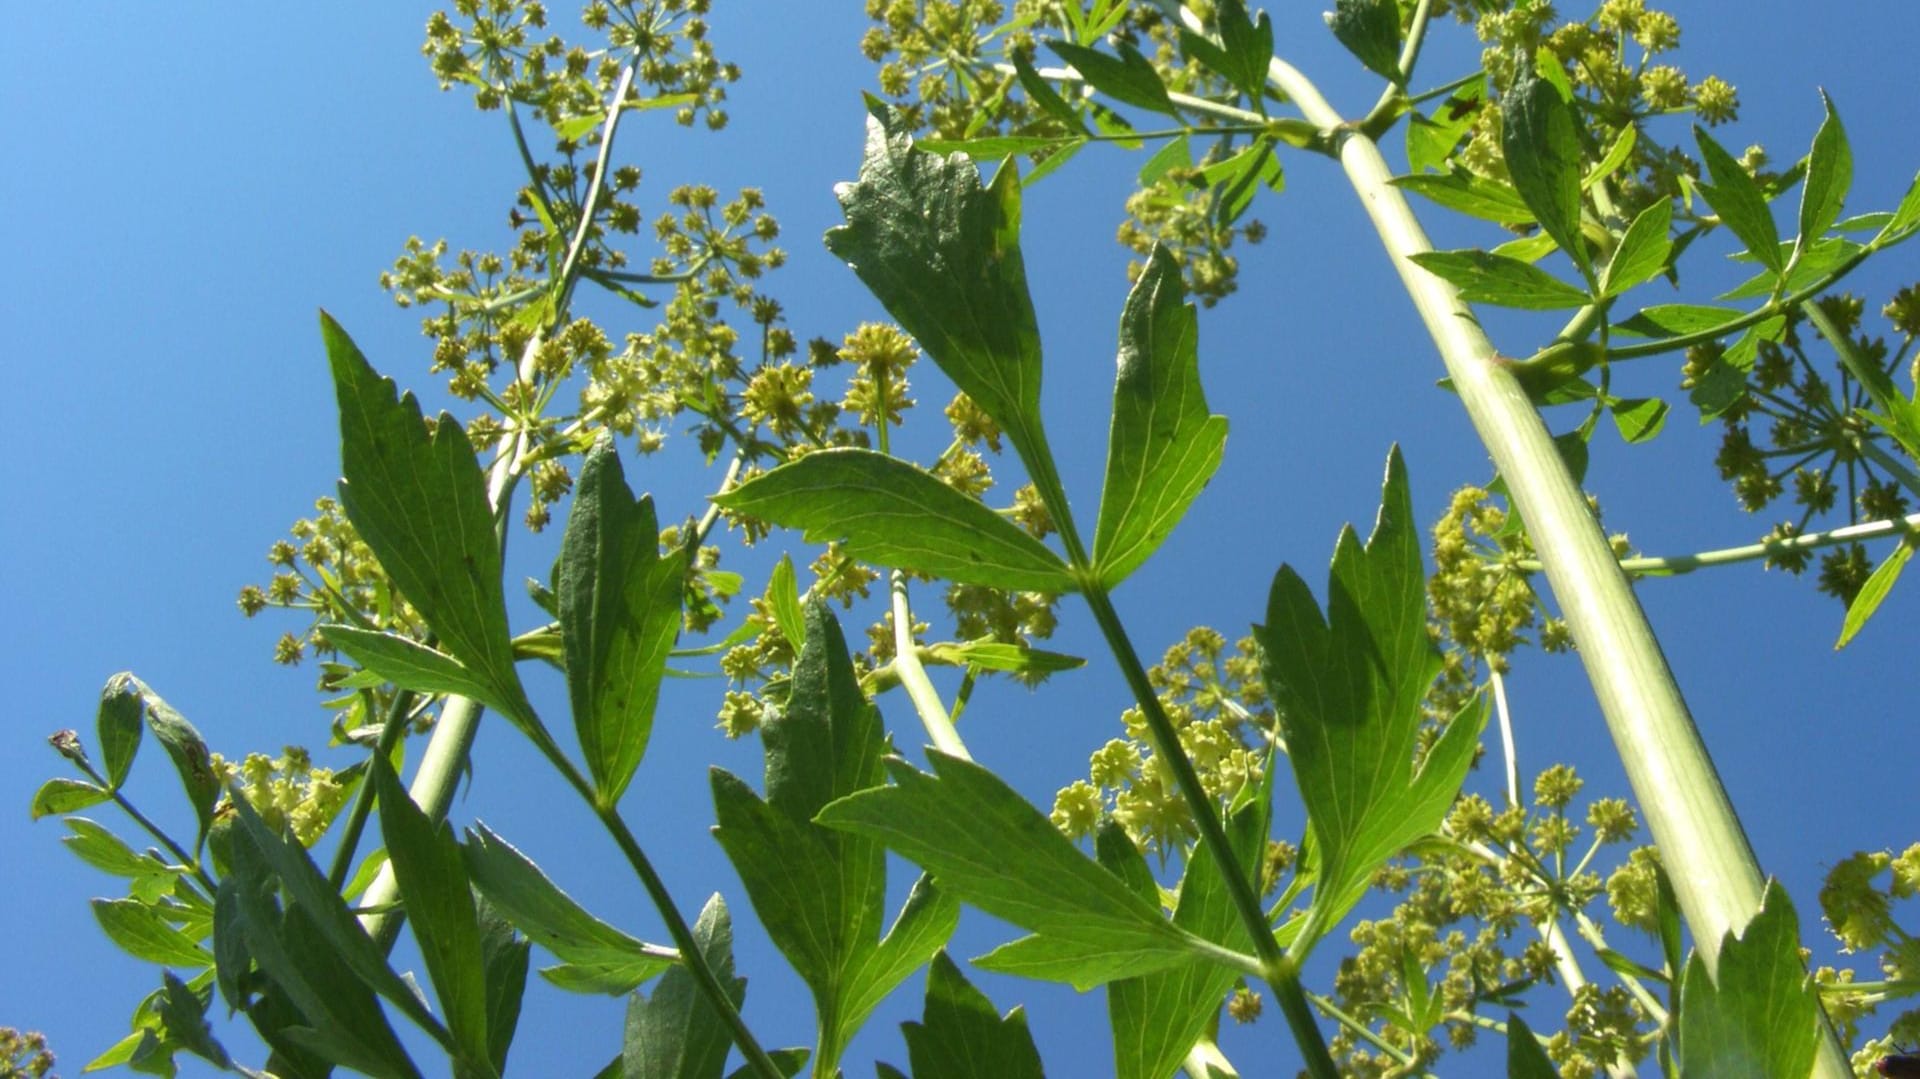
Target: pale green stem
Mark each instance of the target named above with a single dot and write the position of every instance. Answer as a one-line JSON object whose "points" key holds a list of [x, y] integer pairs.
{"points": [[1508, 749], [1568, 967], [1590, 932], [1687, 809], [1565, 963], [1673, 565], [1205, 1061], [913, 677], [1365, 1033]]}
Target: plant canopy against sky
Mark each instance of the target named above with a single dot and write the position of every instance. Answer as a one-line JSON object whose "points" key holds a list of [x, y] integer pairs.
{"points": [[1327, 811]]}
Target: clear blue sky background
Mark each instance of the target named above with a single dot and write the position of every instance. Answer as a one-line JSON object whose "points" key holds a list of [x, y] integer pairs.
{"points": [[187, 184]]}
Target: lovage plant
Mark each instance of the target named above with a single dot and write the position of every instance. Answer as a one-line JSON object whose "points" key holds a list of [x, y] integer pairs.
{"points": [[1163, 878]]}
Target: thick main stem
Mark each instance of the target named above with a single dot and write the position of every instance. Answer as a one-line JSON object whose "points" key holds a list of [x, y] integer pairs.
{"points": [[1716, 876]]}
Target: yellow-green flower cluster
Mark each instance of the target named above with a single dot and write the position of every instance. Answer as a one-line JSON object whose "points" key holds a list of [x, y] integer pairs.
{"points": [[1217, 702], [287, 791]]}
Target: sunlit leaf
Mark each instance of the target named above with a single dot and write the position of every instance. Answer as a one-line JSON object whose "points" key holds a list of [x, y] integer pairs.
{"points": [[677, 1033], [1477, 196], [329, 1010], [408, 664], [1129, 77], [1157, 1017], [143, 932], [989, 847], [192, 761], [995, 147], [63, 795], [118, 726], [820, 893], [619, 615], [1348, 689], [1539, 136], [1484, 277], [1738, 200], [961, 1036], [1370, 29], [1642, 251], [1526, 1059], [1875, 590], [942, 255], [1676, 319], [1164, 445], [1639, 419], [885, 510], [439, 906], [1247, 46], [598, 957], [420, 502], [1829, 176], [1756, 1016]]}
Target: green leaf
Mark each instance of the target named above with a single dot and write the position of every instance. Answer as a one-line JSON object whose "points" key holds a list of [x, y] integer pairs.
{"points": [[1642, 251], [783, 600], [1247, 47], [389, 657], [183, 744], [961, 1036], [118, 727], [1639, 419], [821, 894], [1539, 136], [1737, 199], [1238, 178], [145, 933], [1431, 139], [334, 1014], [989, 847], [1019, 658], [1717, 388], [599, 958], [677, 1034], [1868, 599], [1527, 248], [1348, 689], [1829, 176], [1905, 219], [1617, 155], [62, 795], [1477, 196], [1675, 319], [1043, 94], [619, 615], [995, 147], [183, 1014], [420, 502], [1756, 1016], [1370, 29], [333, 926], [1817, 259], [1483, 277], [504, 956], [1157, 1017], [1164, 445], [108, 853], [942, 254], [1526, 1059], [1176, 154], [439, 906], [888, 511], [1128, 78]]}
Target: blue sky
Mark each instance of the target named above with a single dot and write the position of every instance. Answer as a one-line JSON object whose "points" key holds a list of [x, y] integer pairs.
{"points": [[188, 185]]}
